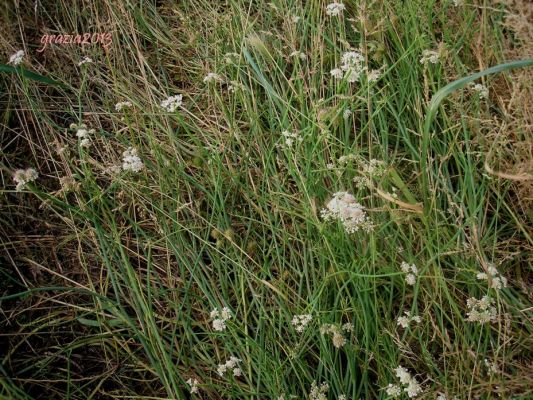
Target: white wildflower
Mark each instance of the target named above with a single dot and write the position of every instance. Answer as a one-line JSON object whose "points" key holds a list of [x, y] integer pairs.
{"points": [[374, 75], [16, 58], [24, 176], [352, 59], [336, 73], [301, 321], [298, 54], [411, 386], [212, 77], [413, 389], [393, 390], [289, 138], [295, 19], [131, 161], [403, 375], [346, 209], [410, 279], [123, 104], [83, 134], [347, 113], [492, 367], [495, 279], [85, 60], [348, 327], [405, 320], [193, 383], [411, 270], [481, 310], [220, 317], [231, 364], [338, 339], [318, 392], [430, 56], [481, 90], [335, 9], [172, 103], [342, 397], [219, 325]]}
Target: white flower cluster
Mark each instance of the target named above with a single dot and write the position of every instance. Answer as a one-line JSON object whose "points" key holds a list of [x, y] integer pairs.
{"points": [[411, 386], [496, 281], [212, 77], [430, 56], [337, 333], [171, 103], [374, 169], [231, 364], [481, 90], [123, 104], [481, 310], [289, 138], [68, 184], [298, 54], [345, 208], [131, 161], [193, 383], [220, 317], [352, 65], [405, 320], [335, 9], [318, 392], [16, 58], [23, 176], [492, 367], [393, 390], [412, 272], [301, 321], [85, 60], [83, 134]]}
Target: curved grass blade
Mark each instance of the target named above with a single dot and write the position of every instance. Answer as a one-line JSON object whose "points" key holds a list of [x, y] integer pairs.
{"points": [[445, 91], [459, 83]]}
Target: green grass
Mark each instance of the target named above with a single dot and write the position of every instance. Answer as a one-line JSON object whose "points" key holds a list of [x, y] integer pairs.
{"points": [[107, 290]]}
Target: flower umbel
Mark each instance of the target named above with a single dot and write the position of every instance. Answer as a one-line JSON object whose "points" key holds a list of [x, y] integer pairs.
{"points": [[493, 276], [430, 56], [481, 310], [123, 104], [319, 392], [220, 317], [16, 58], [301, 321], [231, 364], [23, 176], [346, 209], [171, 103], [335, 9], [131, 161], [412, 272], [405, 320], [193, 383]]}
